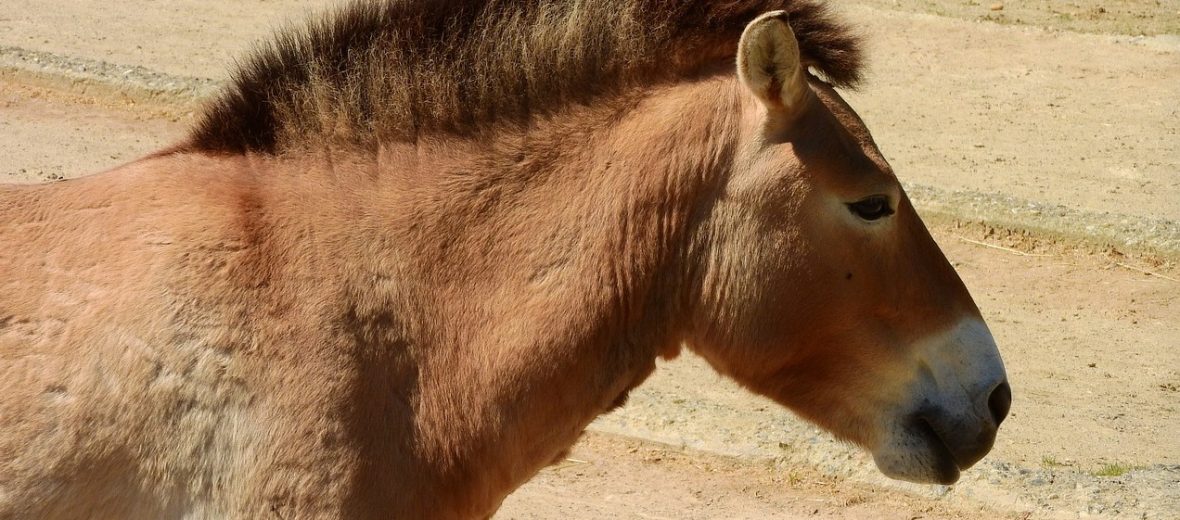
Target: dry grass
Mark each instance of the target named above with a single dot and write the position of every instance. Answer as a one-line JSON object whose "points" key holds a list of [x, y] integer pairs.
{"points": [[1113, 469]]}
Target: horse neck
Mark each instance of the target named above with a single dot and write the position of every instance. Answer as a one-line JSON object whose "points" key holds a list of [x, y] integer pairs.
{"points": [[544, 269]]}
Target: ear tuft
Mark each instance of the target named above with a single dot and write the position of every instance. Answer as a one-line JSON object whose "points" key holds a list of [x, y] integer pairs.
{"points": [[768, 63]]}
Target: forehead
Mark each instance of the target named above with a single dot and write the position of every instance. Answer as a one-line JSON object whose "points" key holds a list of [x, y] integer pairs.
{"points": [[842, 111], [833, 143]]}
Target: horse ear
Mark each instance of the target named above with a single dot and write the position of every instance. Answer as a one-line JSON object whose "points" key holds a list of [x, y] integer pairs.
{"points": [[768, 64]]}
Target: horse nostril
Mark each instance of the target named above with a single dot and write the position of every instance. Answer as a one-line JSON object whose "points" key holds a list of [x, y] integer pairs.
{"points": [[1000, 401]]}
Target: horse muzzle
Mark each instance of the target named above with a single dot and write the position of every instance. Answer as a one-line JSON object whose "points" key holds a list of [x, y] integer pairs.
{"points": [[957, 405]]}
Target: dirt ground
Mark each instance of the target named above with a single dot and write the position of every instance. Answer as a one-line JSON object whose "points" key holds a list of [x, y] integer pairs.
{"points": [[1091, 341], [1130, 17], [617, 477]]}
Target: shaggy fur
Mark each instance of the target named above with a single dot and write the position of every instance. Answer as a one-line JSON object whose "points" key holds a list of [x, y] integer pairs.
{"points": [[395, 70], [414, 330]]}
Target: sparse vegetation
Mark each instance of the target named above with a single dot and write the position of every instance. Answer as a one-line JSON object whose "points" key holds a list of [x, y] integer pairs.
{"points": [[1050, 461], [1113, 469], [794, 478]]}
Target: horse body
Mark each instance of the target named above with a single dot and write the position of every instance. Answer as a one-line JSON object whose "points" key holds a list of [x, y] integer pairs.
{"points": [[415, 329], [467, 373]]}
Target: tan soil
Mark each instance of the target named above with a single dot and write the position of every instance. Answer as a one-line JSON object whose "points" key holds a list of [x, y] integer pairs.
{"points": [[182, 37], [1092, 342], [615, 477], [1132, 17], [51, 135], [1086, 121]]}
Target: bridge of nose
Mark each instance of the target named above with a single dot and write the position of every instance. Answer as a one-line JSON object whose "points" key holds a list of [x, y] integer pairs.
{"points": [[963, 363]]}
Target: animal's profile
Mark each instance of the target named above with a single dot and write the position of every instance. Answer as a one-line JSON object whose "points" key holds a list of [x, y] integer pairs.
{"points": [[412, 251]]}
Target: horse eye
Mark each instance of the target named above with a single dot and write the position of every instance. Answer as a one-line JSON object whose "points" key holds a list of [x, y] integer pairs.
{"points": [[872, 208]]}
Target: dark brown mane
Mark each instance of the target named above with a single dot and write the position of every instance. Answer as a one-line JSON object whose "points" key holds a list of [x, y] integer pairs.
{"points": [[400, 69]]}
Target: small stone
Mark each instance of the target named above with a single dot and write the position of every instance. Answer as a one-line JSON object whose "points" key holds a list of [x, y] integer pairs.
{"points": [[998, 6]]}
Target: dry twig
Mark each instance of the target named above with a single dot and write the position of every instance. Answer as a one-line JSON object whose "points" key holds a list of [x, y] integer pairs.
{"points": [[1001, 248], [1146, 272]]}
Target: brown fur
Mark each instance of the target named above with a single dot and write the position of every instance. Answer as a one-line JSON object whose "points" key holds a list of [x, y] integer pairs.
{"points": [[413, 328], [397, 70]]}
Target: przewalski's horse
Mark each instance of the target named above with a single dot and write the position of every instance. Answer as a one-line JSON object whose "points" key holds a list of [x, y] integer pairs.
{"points": [[412, 252]]}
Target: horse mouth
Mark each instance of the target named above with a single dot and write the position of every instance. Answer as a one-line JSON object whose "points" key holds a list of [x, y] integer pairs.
{"points": [[945, 469]]}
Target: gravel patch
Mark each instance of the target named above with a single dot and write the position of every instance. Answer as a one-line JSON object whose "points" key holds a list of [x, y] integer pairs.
{"points": [[1155, 236], [99, 78]]}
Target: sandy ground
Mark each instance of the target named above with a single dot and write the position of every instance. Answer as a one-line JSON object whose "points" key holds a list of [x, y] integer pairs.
{"points": [[1131, 17], [616, 477], [1092, 342], [1086, 121], [182, 37], [50, 135]]}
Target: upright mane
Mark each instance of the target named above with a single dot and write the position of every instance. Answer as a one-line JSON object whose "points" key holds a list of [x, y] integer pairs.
{"points": [[397, 70]]}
